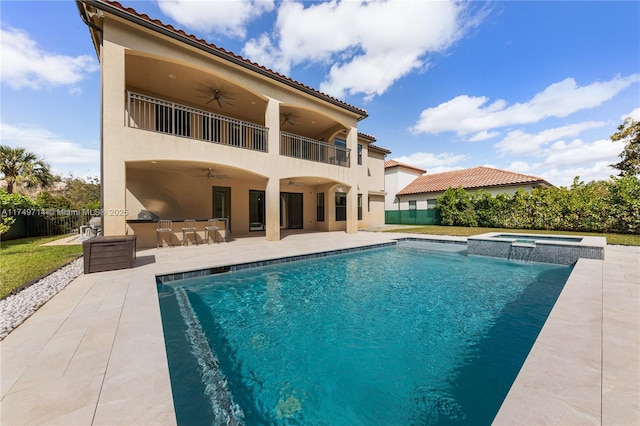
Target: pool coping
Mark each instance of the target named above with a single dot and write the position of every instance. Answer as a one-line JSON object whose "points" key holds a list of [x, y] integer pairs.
{"points": [[95, 353]]}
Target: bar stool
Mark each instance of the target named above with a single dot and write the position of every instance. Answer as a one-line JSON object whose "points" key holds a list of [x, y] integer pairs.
{"points": [[212, 225], [189, 226], [164, 227]]}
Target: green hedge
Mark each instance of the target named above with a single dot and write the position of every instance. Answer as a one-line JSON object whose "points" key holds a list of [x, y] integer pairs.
{"points": [[601, 206]]}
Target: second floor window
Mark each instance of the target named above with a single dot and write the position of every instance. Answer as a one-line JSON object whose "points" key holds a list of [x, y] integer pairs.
{"points": [[359, 154], [341, 152]]}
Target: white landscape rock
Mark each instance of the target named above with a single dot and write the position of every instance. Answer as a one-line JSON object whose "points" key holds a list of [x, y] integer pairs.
{"points": [[15, 309]]}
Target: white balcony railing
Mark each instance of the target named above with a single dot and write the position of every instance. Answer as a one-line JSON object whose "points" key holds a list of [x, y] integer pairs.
{"points": [[157, 115], [313, 150]]}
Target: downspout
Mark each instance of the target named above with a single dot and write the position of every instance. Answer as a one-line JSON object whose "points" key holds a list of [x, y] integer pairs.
{"points": [[83, 16], [98, 48]]}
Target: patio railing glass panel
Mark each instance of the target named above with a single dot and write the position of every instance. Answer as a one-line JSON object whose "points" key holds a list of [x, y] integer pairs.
{"points": [[313, 150], [157, 115]]}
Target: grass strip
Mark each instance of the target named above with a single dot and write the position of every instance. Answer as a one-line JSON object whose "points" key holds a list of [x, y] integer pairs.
{"points": [[26, 259]]}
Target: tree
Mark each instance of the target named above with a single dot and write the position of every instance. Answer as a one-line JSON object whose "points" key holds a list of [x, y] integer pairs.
{"points": [[47, 200], [629, 133], [21, 167], [83, 194]]}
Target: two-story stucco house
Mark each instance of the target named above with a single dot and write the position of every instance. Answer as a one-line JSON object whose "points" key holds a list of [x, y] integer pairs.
{"points": [[192, 131]]}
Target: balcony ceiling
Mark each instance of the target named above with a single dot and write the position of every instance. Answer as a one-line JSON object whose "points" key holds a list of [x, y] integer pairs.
{"points": [[193, 87], [221, 175]]}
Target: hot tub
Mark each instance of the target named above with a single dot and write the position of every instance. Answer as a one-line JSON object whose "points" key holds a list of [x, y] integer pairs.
{"points": [[559, 249]]}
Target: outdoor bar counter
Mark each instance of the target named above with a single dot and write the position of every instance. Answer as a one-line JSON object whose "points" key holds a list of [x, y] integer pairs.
{"points": [[145, 231]]}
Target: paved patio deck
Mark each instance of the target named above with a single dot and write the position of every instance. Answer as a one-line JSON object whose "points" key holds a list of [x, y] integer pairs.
{"points": [[94, 354]]}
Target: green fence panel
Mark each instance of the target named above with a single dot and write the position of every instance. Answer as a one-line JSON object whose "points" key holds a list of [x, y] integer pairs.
{"points": [[412, 217]]}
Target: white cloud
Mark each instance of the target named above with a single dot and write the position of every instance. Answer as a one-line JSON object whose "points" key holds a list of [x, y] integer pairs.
{"points": [[465, 114], [579, 153], [483, 136], [229, 18], [518, 142], [635, 115], [562, 161], [433, 163], [24, 64], [64, 156], [369, 44]]}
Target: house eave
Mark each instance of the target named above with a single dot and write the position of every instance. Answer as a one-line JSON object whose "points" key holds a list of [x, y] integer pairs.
{"points": [[98, 4]]}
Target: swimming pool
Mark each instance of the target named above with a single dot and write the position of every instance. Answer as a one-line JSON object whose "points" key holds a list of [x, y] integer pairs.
{"points": [[400, 335]]}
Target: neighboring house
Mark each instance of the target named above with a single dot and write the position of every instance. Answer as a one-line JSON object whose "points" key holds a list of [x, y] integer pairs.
{"points": [[397, 175], [190, 130], [415, 203]]}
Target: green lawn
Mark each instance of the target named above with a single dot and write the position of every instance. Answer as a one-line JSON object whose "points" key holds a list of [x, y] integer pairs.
{"points": [[25, 259], [461, 231]]}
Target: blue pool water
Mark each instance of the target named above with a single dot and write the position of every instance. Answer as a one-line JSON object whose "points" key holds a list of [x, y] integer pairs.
{"points": [[395, 336]]}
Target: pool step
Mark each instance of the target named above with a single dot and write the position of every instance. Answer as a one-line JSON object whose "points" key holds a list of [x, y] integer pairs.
{"points": [[225, 410]]}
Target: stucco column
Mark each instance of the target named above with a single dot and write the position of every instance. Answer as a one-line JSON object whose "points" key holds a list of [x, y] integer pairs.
{"points": [[113, 179], [272, 121], [352, 193], [272, 193], [272, 213]]}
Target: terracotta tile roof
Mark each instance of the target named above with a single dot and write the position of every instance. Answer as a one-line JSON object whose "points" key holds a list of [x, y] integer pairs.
{"points": [[476, 177], [393, 163], [366, 136], [114, 6], [379, 148]]}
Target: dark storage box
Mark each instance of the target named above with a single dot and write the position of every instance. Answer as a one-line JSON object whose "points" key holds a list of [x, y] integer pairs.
{"points": [[109, 253]]}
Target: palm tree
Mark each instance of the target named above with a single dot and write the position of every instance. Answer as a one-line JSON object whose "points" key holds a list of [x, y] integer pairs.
{"points": [[21, 167]]}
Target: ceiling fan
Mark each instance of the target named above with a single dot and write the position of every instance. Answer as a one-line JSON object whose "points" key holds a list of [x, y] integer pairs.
{"points": [[294, 183], [211, 175], [289, 118], [218, 95]]}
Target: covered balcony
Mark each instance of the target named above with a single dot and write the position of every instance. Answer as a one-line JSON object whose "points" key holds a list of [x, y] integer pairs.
{"points": [[172, 98], [149, 113]]}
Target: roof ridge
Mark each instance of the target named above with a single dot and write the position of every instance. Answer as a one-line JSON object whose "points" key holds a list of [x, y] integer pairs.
{"points": [[470, 178], [396, 163], [144, 16]]}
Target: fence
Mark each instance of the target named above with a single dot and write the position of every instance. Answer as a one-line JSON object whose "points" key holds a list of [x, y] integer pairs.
{"points": [[412, 217], [42, 223]]}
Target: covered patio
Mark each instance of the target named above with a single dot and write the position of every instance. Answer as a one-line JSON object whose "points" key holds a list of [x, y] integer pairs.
{"points": [[189, 190]]}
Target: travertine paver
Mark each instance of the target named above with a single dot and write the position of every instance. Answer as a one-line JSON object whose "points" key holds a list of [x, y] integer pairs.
{"points": [[94, 354], [585, 365], [621, 337]]}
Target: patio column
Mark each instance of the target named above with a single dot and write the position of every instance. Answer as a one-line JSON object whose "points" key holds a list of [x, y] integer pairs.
{"points": [[272, 213], [352, 193], [114, 140], [272, 192]]}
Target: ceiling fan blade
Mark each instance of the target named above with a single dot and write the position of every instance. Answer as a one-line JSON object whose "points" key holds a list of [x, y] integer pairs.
{"points": [[218, 100]]}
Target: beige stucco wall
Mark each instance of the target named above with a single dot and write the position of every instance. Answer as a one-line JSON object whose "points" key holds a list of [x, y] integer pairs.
{"points": [[129, 187]]}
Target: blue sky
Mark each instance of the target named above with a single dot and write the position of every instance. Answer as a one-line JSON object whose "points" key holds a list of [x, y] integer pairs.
{"points": [[532, 87]]}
